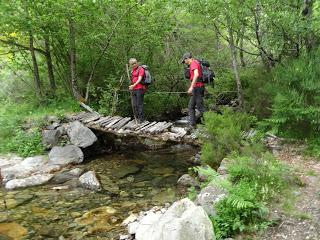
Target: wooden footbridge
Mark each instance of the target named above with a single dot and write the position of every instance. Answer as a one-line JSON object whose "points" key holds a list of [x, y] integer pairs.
{"points": [[125, 126]]}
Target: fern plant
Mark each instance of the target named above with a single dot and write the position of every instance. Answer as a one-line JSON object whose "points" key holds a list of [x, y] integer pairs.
{"points": [[296, 106]]}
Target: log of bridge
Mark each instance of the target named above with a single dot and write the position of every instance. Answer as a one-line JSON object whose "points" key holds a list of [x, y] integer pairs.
{"points": [[124, 126]]}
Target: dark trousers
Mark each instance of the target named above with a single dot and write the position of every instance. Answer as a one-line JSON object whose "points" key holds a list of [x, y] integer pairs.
{"points": [[137, 102], [196, 102]]}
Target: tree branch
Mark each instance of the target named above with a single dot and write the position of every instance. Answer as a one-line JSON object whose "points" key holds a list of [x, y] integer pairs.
{"points": [[12, 43], [106, 47]]}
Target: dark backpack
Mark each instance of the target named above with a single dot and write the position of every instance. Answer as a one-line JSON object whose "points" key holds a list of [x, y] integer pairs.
{"points": [[147, 78], [207, 73]]}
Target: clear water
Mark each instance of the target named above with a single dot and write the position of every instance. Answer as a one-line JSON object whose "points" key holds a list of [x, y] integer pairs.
{"points": [[133, 182]]}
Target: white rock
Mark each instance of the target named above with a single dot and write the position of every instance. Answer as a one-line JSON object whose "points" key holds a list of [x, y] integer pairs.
{"points": [[65, 155], [209, 197], [130, 219], [90, 181], [183, 221], [132, 227], [9, 160], [76, 172], [24, 168], [80, 135], [33, 180]]}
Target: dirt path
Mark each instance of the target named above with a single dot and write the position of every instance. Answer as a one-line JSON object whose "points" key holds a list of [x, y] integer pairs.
{"points": [[302, 220]]}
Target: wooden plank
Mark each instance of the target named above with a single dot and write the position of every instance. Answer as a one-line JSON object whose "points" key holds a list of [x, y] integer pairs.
{"points": [[105, 123], [78, 116], [101, 120], [164, 127], [91, 119], [129, 125], [87, 116], [141, 125], [155, 127], [146, 127], [117, 119], [121, 123], [161, 128]]}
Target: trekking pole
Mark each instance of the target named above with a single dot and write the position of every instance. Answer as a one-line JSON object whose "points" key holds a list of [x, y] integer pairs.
{"points": [[131, 95]]}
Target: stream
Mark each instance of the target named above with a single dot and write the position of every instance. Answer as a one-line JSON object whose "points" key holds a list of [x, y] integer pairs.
{"points": [[132, 181]]}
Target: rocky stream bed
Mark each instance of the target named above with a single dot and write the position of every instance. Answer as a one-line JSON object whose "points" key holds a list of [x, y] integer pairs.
{"points": [[131, 182]]}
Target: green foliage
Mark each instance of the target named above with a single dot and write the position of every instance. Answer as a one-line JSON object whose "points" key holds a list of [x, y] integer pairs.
{"points": [[313, 148], [255, 183], [25, 144], [258, 91], [192, 193], [224, 134], [20, 124], [296, 106]]}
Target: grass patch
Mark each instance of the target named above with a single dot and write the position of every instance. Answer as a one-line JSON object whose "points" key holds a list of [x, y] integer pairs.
{"points": [[21, 124]]}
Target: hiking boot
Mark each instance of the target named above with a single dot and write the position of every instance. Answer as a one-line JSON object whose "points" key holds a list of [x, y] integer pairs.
{"points": [[190, 128]]}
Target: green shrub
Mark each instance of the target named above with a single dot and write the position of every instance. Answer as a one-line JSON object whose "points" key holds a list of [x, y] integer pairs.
{"points": [[255, 182], [25, 144], [223, 135], [296, 106], [13, 117]]}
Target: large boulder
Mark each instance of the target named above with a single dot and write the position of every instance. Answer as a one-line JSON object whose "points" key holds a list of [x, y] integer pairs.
{"points": [[209, 197], [80, 135], [65, 155], [23, 168], [50, 138], [9, 160], [89, 180], [34, 180], [182, 221]]}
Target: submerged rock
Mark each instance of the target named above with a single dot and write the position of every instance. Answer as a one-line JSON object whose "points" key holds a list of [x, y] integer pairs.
{"points": [[62, 177], [80, 135], [76, 172], [98, 219], [90, 181], [65, 155], [188, 181], [33, 180], [126, 170], [12, 230]]}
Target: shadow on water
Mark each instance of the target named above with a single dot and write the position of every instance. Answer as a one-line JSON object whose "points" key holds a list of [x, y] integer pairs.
{"points": [[132, 181]]}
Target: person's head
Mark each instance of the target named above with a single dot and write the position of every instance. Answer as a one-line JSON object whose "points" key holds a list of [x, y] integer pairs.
{"points": [[133, 62], [187, 58]]}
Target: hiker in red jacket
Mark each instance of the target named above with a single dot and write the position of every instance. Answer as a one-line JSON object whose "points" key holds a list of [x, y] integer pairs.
{"points": [[138, 89], [196, 89]]}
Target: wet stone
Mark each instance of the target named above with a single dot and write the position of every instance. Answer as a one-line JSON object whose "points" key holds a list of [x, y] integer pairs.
{"points": [[125, 171]]}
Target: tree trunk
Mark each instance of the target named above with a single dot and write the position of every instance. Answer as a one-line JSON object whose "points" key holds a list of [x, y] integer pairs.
{"points": [[243, 63], [263, 54], [35, 67], [310, 39], [72, 53], [50, 65], [33, 54], [235, 67]]}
